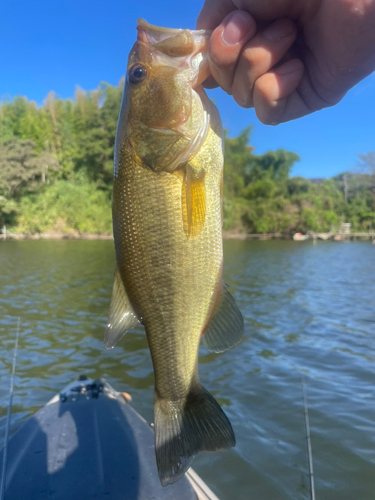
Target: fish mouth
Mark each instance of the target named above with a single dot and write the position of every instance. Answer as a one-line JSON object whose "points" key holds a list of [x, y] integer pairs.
{"points": [[181, 45], [157, 34]]}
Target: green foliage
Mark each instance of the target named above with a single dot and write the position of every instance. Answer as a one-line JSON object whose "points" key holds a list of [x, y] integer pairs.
{"points": [[21, 168], [262, 198], [237, 159], [297, 186], [56, 163], [274, 165], [79, 134], [261, 188], [66, 207], [8, 211]]}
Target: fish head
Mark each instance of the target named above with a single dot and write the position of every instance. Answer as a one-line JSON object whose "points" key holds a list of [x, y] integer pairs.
{"points": [[162, 114]]}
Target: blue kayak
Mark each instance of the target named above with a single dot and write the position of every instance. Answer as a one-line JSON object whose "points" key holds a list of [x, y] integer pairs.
{"points": [[89, 443]]}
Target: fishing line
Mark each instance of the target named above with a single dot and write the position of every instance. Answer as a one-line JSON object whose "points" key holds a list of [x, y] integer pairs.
{"points": [[308, 440], [7, 426]]}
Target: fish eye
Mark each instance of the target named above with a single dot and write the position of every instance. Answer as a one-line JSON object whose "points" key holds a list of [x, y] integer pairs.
{"points": [[137, 73]]}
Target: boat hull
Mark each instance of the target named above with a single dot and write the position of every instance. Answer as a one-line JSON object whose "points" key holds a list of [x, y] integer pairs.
{"points": [[87, 443]]}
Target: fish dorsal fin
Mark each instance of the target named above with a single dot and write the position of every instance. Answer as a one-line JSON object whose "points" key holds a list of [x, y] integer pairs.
{"points": [[194, 196], [225, 330], [122, 317]]}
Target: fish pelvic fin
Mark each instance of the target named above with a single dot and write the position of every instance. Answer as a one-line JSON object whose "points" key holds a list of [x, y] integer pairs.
{"points": [[122, 317], [226, 326], [181, 431]]}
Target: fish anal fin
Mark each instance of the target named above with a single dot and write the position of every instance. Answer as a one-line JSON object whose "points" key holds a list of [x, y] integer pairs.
{"points": [[226, 326], [184, 429], [122, 317], [194, 199]]}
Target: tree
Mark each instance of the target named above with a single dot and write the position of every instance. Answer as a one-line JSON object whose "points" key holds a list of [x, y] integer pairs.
{"points": [[298, 186], [275, 165], [8, 211], [21, 168], [67, 146], [367, 164], [237, 159]]}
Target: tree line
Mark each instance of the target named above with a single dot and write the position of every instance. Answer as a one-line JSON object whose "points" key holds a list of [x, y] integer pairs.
{"points": [[56, 163]]}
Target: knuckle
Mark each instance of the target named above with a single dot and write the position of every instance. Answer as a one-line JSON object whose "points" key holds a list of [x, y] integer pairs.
{"points": [[254, 57], [220, 61]]}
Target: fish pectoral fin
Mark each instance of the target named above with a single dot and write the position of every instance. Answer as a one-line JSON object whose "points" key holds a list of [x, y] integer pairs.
{"points": [[225, 329], [122, 317], [182, 429], [195, 202]]}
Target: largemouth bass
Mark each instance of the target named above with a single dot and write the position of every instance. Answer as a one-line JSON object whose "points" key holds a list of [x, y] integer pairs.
{"points": [[167, 220]]}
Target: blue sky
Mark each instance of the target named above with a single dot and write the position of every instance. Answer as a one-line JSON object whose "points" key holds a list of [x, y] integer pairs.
{"points": [[56, 45]]}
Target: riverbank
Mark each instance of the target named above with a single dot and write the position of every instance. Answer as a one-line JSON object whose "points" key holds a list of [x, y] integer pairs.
{"points": [[55, 236], [227, 235], [231, 235], [93, 236], [310, 236]]}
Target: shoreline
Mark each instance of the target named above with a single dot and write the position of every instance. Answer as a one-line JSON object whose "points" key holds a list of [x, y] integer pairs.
{"points": [[227, 235], [55, 235]]}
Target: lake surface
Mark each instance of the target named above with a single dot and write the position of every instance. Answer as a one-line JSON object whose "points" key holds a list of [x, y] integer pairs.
{"points": [[308, 309]]}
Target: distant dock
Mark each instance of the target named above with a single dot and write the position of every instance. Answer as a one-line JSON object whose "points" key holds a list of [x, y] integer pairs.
{"points": [[335, 236]]}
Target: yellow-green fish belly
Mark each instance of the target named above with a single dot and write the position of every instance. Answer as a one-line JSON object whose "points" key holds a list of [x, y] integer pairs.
{"points": [[171, 278]]}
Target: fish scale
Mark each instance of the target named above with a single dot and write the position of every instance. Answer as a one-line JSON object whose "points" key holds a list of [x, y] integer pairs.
{"points": [[172, 285], [167, 203]]}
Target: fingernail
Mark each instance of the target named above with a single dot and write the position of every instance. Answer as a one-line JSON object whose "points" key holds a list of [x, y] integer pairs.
{"points": [[279, 30], [238, 27], [289, 67]]}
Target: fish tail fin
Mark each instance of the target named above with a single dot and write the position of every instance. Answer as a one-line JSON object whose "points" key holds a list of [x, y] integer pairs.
{"points": [[181, 431]]}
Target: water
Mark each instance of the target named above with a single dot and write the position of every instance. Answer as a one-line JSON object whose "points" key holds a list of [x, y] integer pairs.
{"points": [[308, 310]]}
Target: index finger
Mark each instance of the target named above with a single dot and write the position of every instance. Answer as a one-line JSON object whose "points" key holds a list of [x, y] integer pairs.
{"points": [[213, 12]]}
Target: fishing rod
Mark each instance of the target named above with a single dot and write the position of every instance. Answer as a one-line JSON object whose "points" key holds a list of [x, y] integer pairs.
{"points": [[308, 440], [7, 425]]}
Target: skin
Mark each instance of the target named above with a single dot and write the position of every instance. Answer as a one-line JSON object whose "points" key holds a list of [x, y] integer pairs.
{"points": [[289, 58]]}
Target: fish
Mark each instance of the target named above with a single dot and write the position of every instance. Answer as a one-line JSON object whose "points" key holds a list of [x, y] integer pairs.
{"points": [[167, 225]]}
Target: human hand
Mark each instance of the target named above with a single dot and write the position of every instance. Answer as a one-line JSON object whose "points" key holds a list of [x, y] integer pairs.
{"points": [[289, 58]]}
